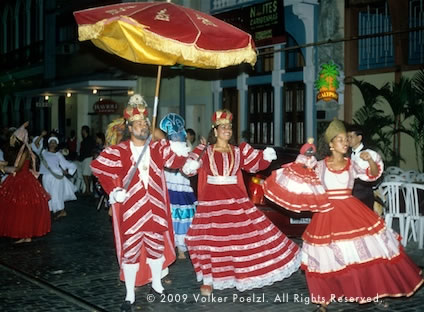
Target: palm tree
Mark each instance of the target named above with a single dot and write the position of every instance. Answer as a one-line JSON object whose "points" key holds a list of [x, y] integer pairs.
{"points": [[374, 122], [399, 96], [416, 109]]}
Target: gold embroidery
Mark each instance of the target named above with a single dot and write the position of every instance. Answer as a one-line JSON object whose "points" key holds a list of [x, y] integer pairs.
{"points": [[205, 21], [119, 10], [212, 164], [162, 16]]}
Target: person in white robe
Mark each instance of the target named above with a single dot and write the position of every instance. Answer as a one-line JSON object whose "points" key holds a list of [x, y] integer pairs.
{"points": [[54, 168]]}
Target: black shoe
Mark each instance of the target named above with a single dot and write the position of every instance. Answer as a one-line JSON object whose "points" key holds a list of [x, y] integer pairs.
{"points": [[382, 304], [126, 306], [154, 292], [321, 308]]}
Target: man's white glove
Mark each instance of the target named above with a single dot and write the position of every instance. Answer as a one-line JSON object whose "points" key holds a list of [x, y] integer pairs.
{"points": [[118, 195], [270, 154], [179, 148], [191, 166]]}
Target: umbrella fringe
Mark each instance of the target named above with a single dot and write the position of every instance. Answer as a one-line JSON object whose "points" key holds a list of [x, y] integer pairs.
{"points": [[186, 54]]}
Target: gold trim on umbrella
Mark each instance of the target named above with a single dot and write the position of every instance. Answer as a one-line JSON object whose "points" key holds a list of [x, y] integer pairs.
{"points": [[161, 50]]}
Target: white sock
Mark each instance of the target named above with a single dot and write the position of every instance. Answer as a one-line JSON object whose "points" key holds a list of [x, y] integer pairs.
{"points": [[156, 269], [130, 273]]}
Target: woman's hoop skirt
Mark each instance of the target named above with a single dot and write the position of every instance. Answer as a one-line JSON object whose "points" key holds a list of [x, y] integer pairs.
{"points": [[297, 188], [183, 205], [233, 244], [24, 209], [349, 252]]}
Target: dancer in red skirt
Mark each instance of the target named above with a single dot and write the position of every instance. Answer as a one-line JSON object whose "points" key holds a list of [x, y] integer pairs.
{"points": [[348, 253], [231, 243], [24, 209]]}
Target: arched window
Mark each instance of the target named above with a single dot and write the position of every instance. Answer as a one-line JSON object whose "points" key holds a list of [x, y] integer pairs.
{"points": [[21, 111], [9, 120], [294, 58], [1, 119], [33, 21], [21, 24], [10, 30], [35, 115]]}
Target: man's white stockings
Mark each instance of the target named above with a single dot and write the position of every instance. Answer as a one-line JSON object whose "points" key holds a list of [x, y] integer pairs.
{"points": [[130, 272], [156, 269]]}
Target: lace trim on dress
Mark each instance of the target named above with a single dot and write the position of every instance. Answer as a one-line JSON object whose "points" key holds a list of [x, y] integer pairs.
{"points": [[252, 282]]}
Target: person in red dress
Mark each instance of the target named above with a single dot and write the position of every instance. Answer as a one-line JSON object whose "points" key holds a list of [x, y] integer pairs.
{"points": [[24, 209], [231, 242], [348, 253]]}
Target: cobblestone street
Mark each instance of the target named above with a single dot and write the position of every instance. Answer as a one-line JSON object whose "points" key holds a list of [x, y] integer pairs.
{"points": [[74, 268]]}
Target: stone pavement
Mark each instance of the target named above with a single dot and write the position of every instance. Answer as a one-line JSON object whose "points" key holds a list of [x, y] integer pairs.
{"points": [[74, 268]]}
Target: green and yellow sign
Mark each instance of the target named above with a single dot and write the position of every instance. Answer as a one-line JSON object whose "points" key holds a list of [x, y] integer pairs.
{"points": [[328, 82]]}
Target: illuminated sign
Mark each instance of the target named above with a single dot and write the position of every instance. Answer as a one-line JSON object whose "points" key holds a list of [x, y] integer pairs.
{"points": [[105, 106], [264, 21], [328, 82]]}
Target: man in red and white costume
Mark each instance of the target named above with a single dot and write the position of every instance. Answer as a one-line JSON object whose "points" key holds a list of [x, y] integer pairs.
{"points": [[141, 213]]}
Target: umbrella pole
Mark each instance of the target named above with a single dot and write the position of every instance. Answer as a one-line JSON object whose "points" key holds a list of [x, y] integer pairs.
{"points": [[155, 106]]}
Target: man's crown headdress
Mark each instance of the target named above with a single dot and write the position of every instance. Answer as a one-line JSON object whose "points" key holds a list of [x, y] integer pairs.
{"points": [[136, 109]]}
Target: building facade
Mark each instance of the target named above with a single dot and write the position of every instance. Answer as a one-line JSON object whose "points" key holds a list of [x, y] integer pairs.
{"points": [[50, 78]]}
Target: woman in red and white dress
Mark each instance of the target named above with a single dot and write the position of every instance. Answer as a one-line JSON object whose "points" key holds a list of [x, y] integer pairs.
{"points": [[231, 243], [348, 253]]}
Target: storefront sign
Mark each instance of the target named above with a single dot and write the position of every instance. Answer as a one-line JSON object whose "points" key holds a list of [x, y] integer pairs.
{"points": [[264, 21], [105, 106], [328, 82], [42, 104], [327, 96]]}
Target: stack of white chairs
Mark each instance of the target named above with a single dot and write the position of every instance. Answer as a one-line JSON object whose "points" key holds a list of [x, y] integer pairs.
{"points": [[391, 193], [393, 178], [414, 220], [419, 177], [409, 176], [393, 170]]}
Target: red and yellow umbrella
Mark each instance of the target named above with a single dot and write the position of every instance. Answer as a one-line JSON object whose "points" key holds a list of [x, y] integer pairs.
{"points": [[164, 33]]}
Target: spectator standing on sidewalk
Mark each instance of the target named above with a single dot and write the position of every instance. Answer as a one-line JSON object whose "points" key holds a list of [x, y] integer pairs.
{"points": [[191, 138], [85, 157], [141, 213], [71, 144], [362, 188]]}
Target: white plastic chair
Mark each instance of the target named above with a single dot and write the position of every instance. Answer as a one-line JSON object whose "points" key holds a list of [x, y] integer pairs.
{"points": [[391, 192], [393, 170], [393, 178], [409, 176], [419, 177], [414, 219]]}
